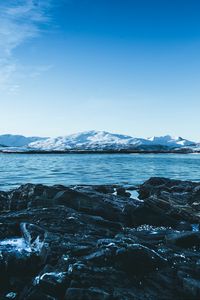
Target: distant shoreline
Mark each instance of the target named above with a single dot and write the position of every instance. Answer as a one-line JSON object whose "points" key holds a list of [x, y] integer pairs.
{"points": [[180, 151]]}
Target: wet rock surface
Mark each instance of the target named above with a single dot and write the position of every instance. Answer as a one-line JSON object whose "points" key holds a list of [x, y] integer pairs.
{"points": [[98, 242]]}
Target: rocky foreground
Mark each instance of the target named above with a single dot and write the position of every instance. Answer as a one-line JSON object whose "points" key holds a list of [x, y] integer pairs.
{"points": [[98, 242]]}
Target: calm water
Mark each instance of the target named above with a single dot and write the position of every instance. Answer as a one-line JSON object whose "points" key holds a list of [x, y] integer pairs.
{"points": [[16, 169]]}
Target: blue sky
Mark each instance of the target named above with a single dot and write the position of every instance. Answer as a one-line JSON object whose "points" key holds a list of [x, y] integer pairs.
{"points": [[127, 66]]}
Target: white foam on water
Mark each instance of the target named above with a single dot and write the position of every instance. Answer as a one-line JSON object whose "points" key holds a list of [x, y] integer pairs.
{"points": [[134, 195], [14, 244], [115, 192]]}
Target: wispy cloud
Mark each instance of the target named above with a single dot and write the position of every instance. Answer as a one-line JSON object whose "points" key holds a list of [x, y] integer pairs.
{"points": [[20, 20]]}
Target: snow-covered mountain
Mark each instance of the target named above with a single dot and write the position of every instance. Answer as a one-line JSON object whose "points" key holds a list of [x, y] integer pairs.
{"points": [[85, 141], [169, 141], [93, 141], [10, 140], [101, 140]]}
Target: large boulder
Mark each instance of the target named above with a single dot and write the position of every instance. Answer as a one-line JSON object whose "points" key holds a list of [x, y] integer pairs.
{"points": [[174, 198], [138, 260]]}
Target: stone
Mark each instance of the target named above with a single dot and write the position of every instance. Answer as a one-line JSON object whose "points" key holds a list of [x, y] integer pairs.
{"points": [[184, 239], [89, 294], [138, 260], [51, 281], [96, 242], [191, 287], [122, 192]]}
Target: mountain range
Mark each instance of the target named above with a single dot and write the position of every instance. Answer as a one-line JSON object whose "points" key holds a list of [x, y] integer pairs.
{"points": [[95, 141], [11, 140]]}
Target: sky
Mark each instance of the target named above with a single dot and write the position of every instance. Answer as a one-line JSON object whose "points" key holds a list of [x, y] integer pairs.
{"points": [[123, 66]]}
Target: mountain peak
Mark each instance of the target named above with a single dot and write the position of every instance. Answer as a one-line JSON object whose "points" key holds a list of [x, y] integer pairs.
{"points": [[95, 141], [103, 140]]}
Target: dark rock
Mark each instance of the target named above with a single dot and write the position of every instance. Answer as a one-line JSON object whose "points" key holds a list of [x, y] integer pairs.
{"points": [[93, 204], [184, 239], [174, 198], [89, 294], [36, 294], [105, 189], [122, 192], [156, 185], [9, 229], [184, 226], [95, 242], [51, 281], [4, 201], [192, 287], [138, 260], [196, 194], [148, 213]]}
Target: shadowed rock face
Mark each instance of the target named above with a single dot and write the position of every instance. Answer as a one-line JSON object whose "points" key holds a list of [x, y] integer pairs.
{"points": [[96, 242]]}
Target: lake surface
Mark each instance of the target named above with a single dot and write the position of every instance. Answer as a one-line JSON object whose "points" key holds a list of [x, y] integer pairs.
{"points": [[66, 169]]}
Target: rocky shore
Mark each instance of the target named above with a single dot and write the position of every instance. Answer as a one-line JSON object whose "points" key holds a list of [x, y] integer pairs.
{"points": [[100, 242]]}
